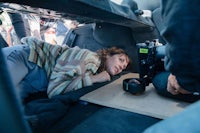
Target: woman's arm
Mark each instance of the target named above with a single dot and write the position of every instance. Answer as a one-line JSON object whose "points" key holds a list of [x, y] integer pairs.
{"points": [[9, 39], [71, 75], [101, 77], [67, 76]]}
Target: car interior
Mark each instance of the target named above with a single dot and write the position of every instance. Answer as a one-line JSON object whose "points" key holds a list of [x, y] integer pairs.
{"points": [[109, 23]]}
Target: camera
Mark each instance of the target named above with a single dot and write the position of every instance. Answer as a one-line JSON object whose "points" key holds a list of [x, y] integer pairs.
{"points": [[150, 56]]}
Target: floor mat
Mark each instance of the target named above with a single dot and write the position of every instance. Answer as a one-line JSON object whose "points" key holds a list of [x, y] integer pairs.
{"points": [[109, 120], [149, 103]]}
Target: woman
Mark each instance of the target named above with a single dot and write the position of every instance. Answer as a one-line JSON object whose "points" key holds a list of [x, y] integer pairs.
{"points": [[37, 65]]}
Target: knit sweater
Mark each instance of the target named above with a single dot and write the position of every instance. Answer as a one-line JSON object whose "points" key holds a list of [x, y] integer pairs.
{"points": [[67, 68]]}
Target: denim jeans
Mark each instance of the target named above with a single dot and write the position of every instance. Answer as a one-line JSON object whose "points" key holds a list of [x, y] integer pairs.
{"points": [[160, 84], [27, 77]]}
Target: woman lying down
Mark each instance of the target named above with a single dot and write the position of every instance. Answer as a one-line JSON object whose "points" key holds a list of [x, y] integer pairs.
{"points": [[38, 66]]}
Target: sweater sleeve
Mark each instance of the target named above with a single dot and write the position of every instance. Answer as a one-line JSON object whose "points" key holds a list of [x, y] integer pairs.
{"points": [[72, 71], [71, 76]]}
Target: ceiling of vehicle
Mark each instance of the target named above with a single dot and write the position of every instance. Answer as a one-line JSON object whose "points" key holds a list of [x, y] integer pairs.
{"points": [[85, 11]]}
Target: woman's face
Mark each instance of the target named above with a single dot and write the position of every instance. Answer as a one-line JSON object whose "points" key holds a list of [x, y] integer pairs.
{"points": [[116, 63]]}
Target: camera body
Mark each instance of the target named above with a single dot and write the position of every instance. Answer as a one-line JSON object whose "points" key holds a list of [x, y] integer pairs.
{"points": [[150, 62]]}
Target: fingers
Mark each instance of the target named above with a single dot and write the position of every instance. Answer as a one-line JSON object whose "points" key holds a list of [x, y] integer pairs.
{"points": [[183, 91], [101, 77], [170, 85], [174, 88], [171, 88], [106, 75]]}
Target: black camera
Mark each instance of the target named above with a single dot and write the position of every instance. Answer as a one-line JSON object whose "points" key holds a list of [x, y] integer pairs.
{"points": [[150, 62]]}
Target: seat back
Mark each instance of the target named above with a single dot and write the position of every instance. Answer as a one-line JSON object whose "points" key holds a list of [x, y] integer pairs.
{"points": [[12, 118], [103, 35], [158, 21]]}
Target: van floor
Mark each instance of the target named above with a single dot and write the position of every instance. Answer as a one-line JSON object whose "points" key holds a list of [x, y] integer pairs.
{"points": [[85, 117], [76, 116]]}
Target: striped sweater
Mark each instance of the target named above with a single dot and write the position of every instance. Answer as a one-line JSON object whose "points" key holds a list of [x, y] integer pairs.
{"points": [[67, 68]]}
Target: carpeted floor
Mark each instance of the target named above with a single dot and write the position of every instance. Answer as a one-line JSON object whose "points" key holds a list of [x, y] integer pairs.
{"points": [[89, 118]]}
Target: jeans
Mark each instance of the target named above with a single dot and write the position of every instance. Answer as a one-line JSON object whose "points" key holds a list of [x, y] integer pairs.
{"points": [[27, 77], [160, 84]]}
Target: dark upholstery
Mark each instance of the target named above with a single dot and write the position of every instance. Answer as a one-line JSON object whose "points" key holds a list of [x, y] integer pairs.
{"points": [[103, 35], [157, 19]]}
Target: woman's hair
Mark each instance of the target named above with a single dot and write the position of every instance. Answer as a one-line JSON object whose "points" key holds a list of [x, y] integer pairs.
{"points": [[103, 53]]}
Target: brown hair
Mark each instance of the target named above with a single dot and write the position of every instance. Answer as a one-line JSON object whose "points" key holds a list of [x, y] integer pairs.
{"points": [[103, 53]]}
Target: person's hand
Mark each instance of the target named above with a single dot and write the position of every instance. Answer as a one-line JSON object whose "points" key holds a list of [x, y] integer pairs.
{"points": [[10, 29], [173, 87], [101, 77]]}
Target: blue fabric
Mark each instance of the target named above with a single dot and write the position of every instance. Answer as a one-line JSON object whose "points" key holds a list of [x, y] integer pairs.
{"points": [[182, 33], [20, 24], [49, 112], [3, 43], [27, 77], [185, 122], [160, 83], [61, 28], [181, 18], [61, 32], [108, 120]]}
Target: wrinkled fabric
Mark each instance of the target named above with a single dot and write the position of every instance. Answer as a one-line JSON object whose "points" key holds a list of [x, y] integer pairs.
{"points": [[27, 77], [67, 68], [186, 121], [182, 32], [160, 83]]}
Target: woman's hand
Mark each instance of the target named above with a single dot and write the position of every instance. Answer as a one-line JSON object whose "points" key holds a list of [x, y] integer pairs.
{"points": [[101, 77], [174, 88]]}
